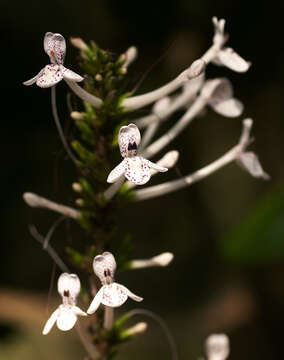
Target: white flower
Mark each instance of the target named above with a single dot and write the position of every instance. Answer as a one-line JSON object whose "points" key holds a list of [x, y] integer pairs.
{"points": [[217, 347], [135, 168], [111, 293], [66, 314], [55, 47], [227, 56]]}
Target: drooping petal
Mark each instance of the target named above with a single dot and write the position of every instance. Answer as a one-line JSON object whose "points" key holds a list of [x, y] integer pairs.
{"points": [[129, 293], [116, 173], [104, 264], [128, 135], [69, 283], [55, 47], [77, 311], [137, 171], [50, 76], [71, 75], [34, 79], [66, 318], [250, 162], [229, 107], [50, 322], [96, 302], [155, 166], [114, 295], [232, 60]]}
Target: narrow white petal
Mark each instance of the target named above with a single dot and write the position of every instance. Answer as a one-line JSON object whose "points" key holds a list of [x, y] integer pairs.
{"points": [[116, 173], [50, 322], [230, 107], [130, 294], [71, 75], [34, 79], [250, 162], [77, 311], [155, 166], [232, 60], [96, 302], [50, 76]]}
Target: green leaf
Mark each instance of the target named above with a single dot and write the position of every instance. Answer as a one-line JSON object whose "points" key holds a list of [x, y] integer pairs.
{"points": [[260, 237]]}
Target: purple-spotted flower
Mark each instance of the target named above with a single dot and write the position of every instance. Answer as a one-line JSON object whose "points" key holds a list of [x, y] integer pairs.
{"points": [[111, 293], [55, 47], [66, 314], [135, 168]]}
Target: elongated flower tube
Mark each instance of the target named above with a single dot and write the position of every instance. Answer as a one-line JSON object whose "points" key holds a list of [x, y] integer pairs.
{"points": [[135, 168], [66, 314], [111, 293], [55, 47], [217, 347]]}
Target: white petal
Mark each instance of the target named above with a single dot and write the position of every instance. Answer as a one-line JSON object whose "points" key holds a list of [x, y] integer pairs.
{"points": [[71, 75], [103, 264], [34, 79], [50, 322], [230, 107], [96, 302], [130, 294], [155, 166], [250, 162], [128, 134], [50, 76], [114, 295], [55, 47], [217, 89], [77, 311], [137, 171], [116, 173], [66, 318], [217, 347], [70, 283], [232, 60]]}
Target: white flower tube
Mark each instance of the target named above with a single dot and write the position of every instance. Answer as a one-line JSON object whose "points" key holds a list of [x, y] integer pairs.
{"points": [[163, 259]]}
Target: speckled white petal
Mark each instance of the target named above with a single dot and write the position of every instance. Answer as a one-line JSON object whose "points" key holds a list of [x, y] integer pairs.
{"points": [[50, 322], [50, 76], [137, 171], [55, 47], [71, 75], [96, 302], [116, 173], [155, 166], [103, 263], [114, 295], [250, 162], [229, 107], [66, 318], [128, 134], [70, 283], [232, 60], [129, 293], [34, 79]]}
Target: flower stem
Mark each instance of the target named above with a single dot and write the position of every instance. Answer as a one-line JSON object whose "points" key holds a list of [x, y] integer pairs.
{"points": [[83, 94]]}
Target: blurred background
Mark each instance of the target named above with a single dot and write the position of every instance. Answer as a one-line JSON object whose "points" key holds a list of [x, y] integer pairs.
{"points": [[227, 232]]}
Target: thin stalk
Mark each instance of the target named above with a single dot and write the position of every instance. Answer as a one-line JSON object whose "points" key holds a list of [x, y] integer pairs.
{"points": [[58, 125], [108, 317]]}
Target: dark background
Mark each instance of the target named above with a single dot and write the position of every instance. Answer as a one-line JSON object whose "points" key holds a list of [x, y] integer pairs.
{"points": [[210, 286]]}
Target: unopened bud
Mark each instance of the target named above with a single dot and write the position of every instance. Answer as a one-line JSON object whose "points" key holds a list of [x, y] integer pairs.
{"points": [[160, 260], [137, 329], [217, 347], [78, 43], [77, 187], [163, 259], [76, 115], [98, 77], [79, 202]]}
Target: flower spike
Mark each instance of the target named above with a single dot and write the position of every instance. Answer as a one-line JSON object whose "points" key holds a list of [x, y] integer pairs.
{"points": [[66, 314], [135, 168], [111, 293], [55, 47]]}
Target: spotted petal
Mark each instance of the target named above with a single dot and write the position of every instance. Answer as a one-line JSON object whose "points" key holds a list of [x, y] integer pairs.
{"points": [[129, 293], [71, 75], [50, 76], [104, 263], [228, 57], [128, 134], [66, 318], [114, 295], [155, 166], [50, 322], [116, 173], [137, 170], [55, 47]]}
